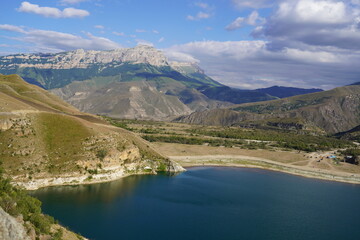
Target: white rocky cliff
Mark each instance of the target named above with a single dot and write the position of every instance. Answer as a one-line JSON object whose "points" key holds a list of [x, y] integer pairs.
{"points": [[83, 59]]}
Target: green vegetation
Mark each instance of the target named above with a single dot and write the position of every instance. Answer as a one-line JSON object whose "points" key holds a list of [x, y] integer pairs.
{"points": [[101, 154], [63, 137], [280, 106], [120, 124], [282, 139], [17, 202], [258, 137], [191, 140]]}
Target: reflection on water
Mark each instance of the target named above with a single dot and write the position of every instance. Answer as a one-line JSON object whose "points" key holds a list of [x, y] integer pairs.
{"points": [[92, 193]]}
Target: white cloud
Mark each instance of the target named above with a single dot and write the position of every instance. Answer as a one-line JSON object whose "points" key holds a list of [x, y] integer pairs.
{"points": [[99, 26], [173, 55], [72, 1], [52, 12], [305, 23], [253, 3], [140, 30], [74, 13], [119, 33], [144, 42], [312, 11], [52, 41], [161, 40], [237, 23], [202, 5], [12, 28], [155, 31], [253, 19], [249, 64], [200, 15]]}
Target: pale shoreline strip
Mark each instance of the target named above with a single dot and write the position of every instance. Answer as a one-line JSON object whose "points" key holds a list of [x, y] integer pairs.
{"points": [[260, 163]]}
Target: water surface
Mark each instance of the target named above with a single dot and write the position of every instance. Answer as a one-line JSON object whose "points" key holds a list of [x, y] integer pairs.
{"points": [[209, 203]]}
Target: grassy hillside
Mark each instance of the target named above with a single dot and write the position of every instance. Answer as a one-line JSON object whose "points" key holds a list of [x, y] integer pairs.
{"points": [[41, 137]]}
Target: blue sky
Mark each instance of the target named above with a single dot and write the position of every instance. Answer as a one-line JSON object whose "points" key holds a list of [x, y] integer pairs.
{"points": [[127, 22], [242, 43]]}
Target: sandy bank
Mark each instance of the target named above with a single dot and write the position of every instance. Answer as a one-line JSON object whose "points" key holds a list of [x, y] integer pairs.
{"points": [[255, 162]]}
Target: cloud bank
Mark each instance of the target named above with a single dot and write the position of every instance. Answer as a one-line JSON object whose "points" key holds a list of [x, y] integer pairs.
{"points": [[52, 41]]}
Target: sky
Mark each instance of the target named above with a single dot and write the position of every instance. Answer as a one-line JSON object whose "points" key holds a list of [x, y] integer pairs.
{"points": [[241, 43]]}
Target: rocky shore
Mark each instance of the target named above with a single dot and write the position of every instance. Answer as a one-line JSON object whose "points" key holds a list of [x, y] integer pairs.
{"points": [[109, 174]]}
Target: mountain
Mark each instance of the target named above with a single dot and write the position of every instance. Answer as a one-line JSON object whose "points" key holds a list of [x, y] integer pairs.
{"points": [[45, 141], [357, 83], [352, 134], [127, 83], [332, 111], [283, 92]]}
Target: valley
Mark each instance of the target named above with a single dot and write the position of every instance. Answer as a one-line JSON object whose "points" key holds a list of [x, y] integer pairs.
{"points": [[299, 152], [196, 120]]}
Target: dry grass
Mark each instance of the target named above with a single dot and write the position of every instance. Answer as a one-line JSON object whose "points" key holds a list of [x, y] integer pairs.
{"points": [[173, 149]]}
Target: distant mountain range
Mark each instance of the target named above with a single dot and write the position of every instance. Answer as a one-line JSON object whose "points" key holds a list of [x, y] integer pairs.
{"points": [[135, 82], [332, 111], [283, 92]]}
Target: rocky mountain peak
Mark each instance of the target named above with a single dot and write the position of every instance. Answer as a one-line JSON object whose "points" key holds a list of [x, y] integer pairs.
{"points": [[186, 67], [81, 58]]}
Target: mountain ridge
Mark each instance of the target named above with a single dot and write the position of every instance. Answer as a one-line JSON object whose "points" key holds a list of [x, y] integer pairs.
{"points": [[333, 111], [283, 92], [78, 75]]}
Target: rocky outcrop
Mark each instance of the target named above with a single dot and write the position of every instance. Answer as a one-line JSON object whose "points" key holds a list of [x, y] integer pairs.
{"points": [[5, 124], [11, 228], [186, 67]]}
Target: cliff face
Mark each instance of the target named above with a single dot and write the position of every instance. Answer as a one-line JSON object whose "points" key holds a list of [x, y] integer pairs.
{"points": [[334, 111], [84, 59], [11, 228]]}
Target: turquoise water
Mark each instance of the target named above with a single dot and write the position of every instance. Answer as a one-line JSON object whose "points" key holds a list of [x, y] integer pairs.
{"points": [[209, 203]]}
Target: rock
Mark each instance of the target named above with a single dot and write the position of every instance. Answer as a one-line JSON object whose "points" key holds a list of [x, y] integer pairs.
{"points": [[10, 228], [175, 167], [83, 59], [5, 124]]}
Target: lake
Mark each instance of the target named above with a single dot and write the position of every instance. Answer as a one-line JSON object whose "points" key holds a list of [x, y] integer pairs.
{"points": [[208, 203]]}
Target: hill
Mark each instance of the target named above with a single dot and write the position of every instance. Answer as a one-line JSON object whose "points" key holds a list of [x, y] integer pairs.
{"points": [[45, 141], [129, 83], [283, 92], [353, 134], [332, 111]]}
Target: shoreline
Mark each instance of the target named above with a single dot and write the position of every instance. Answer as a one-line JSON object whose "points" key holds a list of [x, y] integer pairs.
{"points": [[112, 174], [238, 161], [73, 180], [257, 163]]}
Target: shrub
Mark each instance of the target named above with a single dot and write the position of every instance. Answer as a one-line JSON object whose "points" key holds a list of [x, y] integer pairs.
{"points": [[101, 154]]}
